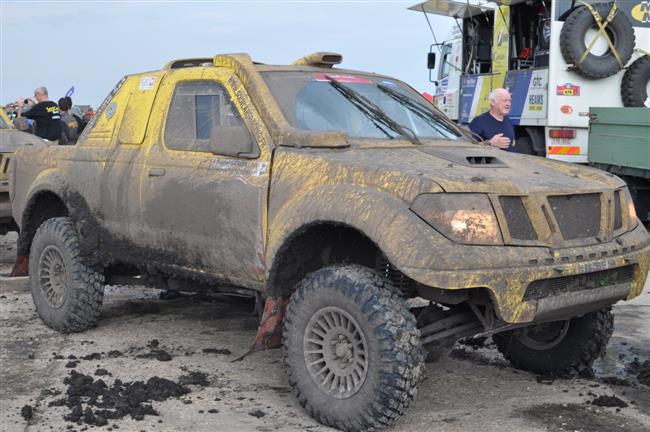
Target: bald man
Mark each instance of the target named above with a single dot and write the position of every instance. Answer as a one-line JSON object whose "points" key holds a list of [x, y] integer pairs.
{"points": [[494, 126], [44, 112]]}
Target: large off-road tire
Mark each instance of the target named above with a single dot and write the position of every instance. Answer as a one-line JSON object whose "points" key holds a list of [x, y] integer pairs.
{"points": [[635, 86], [561, 348], [67, 293], [351, 348], [597, 64]]}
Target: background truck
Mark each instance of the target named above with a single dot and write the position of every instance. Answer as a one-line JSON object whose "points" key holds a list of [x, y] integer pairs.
{"points": [[619, 142], [10, 140], [332, 196], [536, 49]]}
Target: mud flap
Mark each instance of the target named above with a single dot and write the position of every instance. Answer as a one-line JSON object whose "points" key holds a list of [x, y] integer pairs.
{"points": [[269, 334], [21, 266]]}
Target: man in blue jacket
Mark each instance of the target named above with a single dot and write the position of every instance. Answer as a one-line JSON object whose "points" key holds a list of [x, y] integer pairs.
{"points": [[494, 126]]}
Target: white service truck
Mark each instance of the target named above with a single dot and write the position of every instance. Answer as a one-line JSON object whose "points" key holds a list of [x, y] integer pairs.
{"points": [[557, 58]]}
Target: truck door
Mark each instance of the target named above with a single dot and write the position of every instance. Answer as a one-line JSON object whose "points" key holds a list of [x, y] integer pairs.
{"points": [[203, 202], [119, 183]]}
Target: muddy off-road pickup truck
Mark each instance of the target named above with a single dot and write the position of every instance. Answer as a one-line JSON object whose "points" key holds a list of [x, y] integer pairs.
{"points": [[369, 226]]}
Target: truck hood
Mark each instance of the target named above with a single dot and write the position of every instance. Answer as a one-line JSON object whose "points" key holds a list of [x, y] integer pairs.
{"points": [[479, 169], [12, 139]]}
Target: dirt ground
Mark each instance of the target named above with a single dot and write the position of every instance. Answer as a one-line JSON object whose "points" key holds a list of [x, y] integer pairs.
{"points": [[191, 341]]}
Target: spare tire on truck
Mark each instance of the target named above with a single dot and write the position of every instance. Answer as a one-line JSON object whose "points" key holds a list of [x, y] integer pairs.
{"points": [[580, 28], [635, 87]]}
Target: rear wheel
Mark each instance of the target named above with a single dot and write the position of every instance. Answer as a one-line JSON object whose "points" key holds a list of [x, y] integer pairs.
{"points": [[559, 348], [351, 349], [67, 293]]}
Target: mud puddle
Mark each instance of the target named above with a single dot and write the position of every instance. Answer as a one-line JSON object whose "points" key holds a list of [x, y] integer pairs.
{"points": [[580, 418]]}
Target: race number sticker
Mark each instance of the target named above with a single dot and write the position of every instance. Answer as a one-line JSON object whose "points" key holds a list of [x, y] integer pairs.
{"points": [[147, 83], [567, 89]]}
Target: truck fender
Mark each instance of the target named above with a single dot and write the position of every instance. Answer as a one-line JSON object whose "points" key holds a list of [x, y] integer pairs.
{"points": [[386, 221], [53, 182]]}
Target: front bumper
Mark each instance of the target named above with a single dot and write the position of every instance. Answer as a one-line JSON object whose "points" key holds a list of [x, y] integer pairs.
{"points": [[507, 285]]}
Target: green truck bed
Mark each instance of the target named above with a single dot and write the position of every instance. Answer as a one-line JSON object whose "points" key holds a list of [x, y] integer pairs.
{"points": [[619, 140]]}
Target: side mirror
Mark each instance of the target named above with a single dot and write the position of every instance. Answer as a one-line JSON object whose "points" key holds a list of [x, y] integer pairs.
{"points": [[431, 60], [233, 141]]}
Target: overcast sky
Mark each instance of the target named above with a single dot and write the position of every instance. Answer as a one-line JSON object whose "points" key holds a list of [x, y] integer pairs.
{"points": [[91, 44]]}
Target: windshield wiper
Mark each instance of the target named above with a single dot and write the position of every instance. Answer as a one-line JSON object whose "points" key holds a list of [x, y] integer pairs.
{"points": [[433, 118], [373, 111]]}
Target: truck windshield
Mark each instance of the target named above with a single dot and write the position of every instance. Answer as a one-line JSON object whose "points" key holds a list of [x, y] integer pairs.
{"points": [[320, 102]]}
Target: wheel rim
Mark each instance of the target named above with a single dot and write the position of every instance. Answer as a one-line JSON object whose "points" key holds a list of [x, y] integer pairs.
{"points": [[52, 275], [544, 336], [336, 352]]}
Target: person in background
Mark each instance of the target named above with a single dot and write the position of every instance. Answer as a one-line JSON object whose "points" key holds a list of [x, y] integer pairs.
{"points": [[44, 112], [494, 126], [80, 122], [70, 125]]}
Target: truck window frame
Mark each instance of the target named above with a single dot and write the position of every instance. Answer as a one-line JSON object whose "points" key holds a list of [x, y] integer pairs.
{"points": [[200, 144]]}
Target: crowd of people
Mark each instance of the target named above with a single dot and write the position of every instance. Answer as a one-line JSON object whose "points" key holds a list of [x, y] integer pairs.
{"points": [[53, 121]]}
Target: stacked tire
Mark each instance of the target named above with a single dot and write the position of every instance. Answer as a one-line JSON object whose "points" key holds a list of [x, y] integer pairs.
{"points": [[636, 80], [573, 41]]}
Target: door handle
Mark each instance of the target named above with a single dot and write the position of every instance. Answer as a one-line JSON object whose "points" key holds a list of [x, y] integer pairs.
{"points": [[156, 172]]}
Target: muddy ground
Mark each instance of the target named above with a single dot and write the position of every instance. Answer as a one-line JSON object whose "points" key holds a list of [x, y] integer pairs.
{"points": [[171, 359]]}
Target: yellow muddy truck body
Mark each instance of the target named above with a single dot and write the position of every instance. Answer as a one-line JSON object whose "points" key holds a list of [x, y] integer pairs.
{"points": [[335, 195]]}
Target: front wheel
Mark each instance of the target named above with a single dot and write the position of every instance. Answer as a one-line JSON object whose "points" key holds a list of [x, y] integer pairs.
{"points": [[67, 293], [351, 348], [559, 348]]}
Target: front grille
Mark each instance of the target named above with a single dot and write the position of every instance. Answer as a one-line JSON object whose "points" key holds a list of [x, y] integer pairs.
{"points": [[517, 218], [618, 218], [566, 284], [578, 216]]}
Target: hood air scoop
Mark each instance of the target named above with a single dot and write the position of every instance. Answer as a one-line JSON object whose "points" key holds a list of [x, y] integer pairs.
{"points": [[466, 157]]}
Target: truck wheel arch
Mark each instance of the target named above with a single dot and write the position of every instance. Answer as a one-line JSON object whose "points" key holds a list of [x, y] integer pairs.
{"points": [[316, 245], [42, 205], [369, 219], [53, 197]]}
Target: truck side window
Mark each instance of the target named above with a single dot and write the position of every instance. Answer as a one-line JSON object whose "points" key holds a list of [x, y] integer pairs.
{"points": [[197, 111]]}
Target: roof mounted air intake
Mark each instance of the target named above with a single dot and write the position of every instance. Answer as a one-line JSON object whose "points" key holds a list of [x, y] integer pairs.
{"points": [[320, 59], [191, 62]]}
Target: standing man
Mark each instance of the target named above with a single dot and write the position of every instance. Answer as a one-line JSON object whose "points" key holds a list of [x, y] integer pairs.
{"points": [[494, 126], [70, 126], [44, 112]]}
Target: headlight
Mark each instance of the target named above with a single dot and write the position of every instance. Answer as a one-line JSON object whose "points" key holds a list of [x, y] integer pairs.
{"points": [[463, 218], [632, 219]]}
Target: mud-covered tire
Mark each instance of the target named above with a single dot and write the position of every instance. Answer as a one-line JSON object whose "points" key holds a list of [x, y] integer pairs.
{"points": [[573, 45], [635, 83], [585, 340], [387, 342], [67, 293]]}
